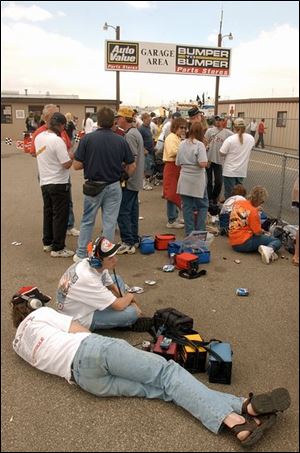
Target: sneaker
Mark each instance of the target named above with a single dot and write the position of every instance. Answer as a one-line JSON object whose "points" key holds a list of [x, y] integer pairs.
{"points": [[47, 248], [266, 253], [76, 258], [64, 253], [73, 232], [181, 221], [274, 256], [125, 248], [175, 224], [147, 187]]}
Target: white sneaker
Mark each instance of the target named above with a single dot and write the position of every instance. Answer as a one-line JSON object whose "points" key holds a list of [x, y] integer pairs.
{"points": [[64, 253], [73, 232], [76, 258], [47, 248], [266, 253], [274, 256], [130, 249], [175, 224], [181, 221], [147, 187]]}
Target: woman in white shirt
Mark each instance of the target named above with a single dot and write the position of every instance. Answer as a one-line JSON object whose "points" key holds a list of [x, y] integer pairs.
{"points": [[236, 152], [88, 124]]}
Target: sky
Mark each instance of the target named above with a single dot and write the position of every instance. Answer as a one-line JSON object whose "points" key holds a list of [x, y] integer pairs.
{"points": [[58, 47]]}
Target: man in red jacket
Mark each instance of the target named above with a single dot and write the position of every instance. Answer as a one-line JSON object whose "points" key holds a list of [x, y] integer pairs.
{"points": [[48, 111], [261, 131]]}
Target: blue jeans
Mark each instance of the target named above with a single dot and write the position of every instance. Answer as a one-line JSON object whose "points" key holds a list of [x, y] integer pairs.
{"points": [[109, 200], [255, 241], [190, 204], [128, 219], [172, 211], [108, 367], [148, 165], [229, 183], [110, 318]]}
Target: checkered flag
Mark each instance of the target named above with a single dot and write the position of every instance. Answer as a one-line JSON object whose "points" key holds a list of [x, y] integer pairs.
{"points": [[8, 141], [77, 138]]}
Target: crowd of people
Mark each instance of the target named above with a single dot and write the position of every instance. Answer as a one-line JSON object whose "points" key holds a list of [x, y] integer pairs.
{"points": [[117, 156]]}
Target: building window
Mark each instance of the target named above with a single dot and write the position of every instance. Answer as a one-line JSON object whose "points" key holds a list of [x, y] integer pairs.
{"points": [[281, 119], [93, 112], [241, 114], [6, 114]]}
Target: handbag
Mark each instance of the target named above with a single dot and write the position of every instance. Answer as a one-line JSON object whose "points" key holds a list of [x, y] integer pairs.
{"points": [[93, 188], [170, 319]]}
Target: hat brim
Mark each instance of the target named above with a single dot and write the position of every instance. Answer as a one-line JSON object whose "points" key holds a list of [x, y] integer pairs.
{"points": [[110, 252]]}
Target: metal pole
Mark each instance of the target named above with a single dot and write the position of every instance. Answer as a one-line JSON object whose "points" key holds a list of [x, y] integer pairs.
{"points": [[218, 78], [282, 181], [117, 74]]}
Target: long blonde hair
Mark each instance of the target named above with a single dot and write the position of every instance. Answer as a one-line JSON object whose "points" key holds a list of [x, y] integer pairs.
{"points": [[240, 128]]}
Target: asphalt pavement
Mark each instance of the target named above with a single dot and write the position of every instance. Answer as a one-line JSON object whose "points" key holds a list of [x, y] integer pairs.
{"points": [[43, 413]]}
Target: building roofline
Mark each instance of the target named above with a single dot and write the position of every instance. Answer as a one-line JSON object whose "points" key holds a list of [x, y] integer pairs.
{"points": [[50, 100], [259, 100]]}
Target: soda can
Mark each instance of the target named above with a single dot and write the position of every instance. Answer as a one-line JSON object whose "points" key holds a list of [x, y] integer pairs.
{"points": [[172, 258], [146, 346], [168, 268], [242, 292]]}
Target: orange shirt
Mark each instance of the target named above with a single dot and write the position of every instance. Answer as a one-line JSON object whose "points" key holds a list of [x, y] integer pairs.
{"points": [[244, 222], [43, 128]]}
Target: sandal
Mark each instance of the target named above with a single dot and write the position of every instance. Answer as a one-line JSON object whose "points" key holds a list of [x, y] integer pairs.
{"points": [[268, 403], [256, 431]]}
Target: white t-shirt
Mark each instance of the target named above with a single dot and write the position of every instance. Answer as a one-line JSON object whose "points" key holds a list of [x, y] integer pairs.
{"points": [[82, 290], [44, 341], [228, 204], [51, 153], [237, 155]]}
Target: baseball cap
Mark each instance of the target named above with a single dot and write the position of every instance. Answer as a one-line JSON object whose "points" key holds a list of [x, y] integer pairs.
{"points": [[239, 122], [193, 112], [125, 112], [176, 115], [58, 118], [218, 118], [103, 248]]}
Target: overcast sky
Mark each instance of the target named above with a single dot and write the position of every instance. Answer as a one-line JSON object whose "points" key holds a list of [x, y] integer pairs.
{"points": [[59, 47]]}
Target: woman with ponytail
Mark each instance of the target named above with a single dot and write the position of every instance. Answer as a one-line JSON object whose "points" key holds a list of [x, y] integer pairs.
{"points": [[236, 151]]}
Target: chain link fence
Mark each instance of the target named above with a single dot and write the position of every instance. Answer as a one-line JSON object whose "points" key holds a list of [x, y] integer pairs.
{"points": [[277, 172]]}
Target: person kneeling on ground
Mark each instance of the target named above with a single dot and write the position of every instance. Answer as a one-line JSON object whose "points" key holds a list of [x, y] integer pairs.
{"points": [[107, 367], [87, 292], [238, 193], [245, 231]]}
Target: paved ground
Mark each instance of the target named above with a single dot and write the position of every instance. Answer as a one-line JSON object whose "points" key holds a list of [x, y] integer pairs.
{"points": [[41, 412]]}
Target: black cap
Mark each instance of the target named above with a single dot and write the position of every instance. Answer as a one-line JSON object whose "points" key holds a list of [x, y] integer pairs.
{"points": [[58, 118], [193, 112], [176, 115], [218, 118]]}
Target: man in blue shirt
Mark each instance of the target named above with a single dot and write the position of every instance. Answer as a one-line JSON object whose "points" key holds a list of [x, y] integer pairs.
{"points": [[102, 155], [146, 133]]}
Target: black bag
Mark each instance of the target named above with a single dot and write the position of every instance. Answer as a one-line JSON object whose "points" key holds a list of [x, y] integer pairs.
{"points": [[167, 319], [93, 188]]}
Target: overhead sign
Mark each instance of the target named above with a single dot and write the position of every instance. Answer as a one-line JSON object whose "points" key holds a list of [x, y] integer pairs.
{"points": [[166, 58]]}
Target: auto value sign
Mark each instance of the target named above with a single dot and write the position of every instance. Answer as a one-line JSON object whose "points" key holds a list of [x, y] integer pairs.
{"points": [[166, 58]]}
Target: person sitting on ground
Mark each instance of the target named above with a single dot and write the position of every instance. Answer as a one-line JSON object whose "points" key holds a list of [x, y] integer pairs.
{"points": [[238, 193], [87, 292], [108, 367], [245, 231]]}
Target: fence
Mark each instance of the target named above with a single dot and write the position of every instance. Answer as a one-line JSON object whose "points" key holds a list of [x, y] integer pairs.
{"points": [[280, 133], [277, 172]]}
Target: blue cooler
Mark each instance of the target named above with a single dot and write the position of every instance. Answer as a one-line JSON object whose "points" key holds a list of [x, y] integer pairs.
{"points": [[147, 245], [174, 247], [203, 254]]}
